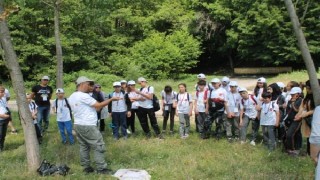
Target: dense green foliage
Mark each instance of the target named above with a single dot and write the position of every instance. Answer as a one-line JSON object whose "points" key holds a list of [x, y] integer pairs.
{"points": [[158, 38]]}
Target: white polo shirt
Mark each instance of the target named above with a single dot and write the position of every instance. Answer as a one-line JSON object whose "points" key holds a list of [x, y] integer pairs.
{"points": [[63, 112], [146, 103], [249, 106], [81, 106], [184, 101], [233, 103]]}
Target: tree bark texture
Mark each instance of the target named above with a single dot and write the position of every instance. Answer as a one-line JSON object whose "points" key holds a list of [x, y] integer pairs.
{"points": [[59, 83], [302, 43], [31, 142]]}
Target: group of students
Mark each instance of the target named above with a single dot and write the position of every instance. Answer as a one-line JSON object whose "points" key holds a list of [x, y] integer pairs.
{"points": [[281, 111]]}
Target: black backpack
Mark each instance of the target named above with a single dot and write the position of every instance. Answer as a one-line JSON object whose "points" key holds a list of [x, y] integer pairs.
{"points": [[155, 101]]}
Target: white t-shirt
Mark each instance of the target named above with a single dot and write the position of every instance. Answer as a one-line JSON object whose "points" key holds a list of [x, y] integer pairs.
{"points": [[3, 109], [135, 104], [32, 107], [268, 114], [120, 105], [168, 98], [200, 99], [249, 106], [146, 103], [220, 94], [233, 103], [63, 112], [315, 130], [83, 111], [184, 101]]}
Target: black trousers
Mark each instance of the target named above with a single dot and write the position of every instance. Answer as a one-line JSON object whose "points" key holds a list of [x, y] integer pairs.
{"points": [[102, 125], [3, 132], [166, 114], [131, 120], [143, 115], [294, 136]]}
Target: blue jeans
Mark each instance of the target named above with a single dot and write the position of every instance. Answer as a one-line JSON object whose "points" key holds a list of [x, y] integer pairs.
{"points": [[119, 120], [66, 125], [43, 114]]}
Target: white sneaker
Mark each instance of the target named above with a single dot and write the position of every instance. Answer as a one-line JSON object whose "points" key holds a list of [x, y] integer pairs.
{"points": [[128, 132], [252, 143]]}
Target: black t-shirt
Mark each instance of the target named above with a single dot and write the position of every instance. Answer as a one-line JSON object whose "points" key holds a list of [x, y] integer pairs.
{"points": [[42, 95], [290, 111]]}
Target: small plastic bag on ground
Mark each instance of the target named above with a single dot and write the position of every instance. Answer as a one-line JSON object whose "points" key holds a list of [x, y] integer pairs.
{"points": [[47, 169], [132, 174]]}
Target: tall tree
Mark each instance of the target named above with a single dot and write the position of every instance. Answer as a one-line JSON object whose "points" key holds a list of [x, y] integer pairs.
{"points": [[59, 83], [32, 146], [302, 43]]}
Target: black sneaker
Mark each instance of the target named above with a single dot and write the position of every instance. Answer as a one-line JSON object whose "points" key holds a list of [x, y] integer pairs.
{"points": [[105, 171], [88, 170]]}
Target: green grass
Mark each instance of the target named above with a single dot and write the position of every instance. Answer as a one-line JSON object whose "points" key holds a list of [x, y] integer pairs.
{"points": [[172, 158]]}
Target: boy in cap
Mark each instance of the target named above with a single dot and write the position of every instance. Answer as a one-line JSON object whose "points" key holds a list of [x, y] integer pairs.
{"points": [[225, 83], [293, 141], [232, 111], [33, 110], [123, 85], [248, 113], [119, 109], [145, 109], [200, 102], [64, 115], [85, 123], [215, 107], [42, 94]]}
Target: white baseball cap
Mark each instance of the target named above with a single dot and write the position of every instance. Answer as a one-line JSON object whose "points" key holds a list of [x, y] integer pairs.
{"points": [[281, 84], [201, 76], [241, 89], [262, 80], [142, 79], [131, 82], [116, 84], [225, 79], [59, 90], [123, 81], [295, 90], [83, 79], [215, 80], [233, 83], [45, 78]]}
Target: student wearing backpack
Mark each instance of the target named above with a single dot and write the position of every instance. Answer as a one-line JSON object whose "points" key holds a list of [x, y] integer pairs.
{"points": [[146, 108], [169, 107], [200, 102], [33, 109], [133, 96], [64, 115], [184, 110], [232, 111], [216, 104], [248, 113], [279, 99], [119, 110], [293, 141], [305, 113], [269, 116]]}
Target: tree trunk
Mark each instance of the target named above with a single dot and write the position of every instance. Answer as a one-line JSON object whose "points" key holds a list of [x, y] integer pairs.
{"points": [[231, 62], [31, 142], [302, 43], [59, 83]]}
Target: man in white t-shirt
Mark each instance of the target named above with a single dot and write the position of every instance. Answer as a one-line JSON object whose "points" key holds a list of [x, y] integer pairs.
{"points": [[84, 109], [145, 109]]}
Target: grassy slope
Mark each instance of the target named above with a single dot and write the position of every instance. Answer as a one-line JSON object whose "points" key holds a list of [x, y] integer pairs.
{"points": [[171, 158]]}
